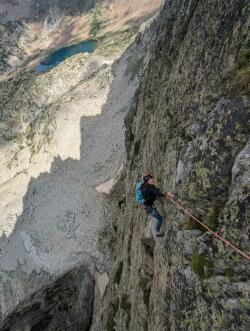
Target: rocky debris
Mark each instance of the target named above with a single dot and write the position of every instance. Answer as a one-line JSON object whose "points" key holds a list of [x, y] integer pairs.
{"points": [[189, 126], [58, 211], [65, 304], [69, 142], [32, 93], [43, 8], [11, 52], [31, 10]]}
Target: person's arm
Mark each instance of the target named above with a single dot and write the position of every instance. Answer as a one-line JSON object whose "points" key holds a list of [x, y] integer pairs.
{"points": [[156, 191]]}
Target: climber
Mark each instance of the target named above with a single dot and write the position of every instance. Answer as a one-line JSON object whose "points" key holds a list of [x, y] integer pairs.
{"points": [[146, 194]]}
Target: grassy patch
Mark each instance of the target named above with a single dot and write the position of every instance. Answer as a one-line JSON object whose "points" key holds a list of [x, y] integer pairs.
{"points": [[190, 224], [245, 303], [125, 303], [212, 217], [212, 220], [202, 267], [137, 147], [95, 23], [229, 272], [111, 324], [243, 60], [144, 285], [239, 77], [118, 274], [105, 78], [114, 43], [203, 175]]}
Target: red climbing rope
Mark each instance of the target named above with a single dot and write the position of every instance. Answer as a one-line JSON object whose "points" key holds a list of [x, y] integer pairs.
{"points": [[208, 229]]}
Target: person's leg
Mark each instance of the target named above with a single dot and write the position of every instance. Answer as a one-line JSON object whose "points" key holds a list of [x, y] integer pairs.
{"points": [[154, 213]]}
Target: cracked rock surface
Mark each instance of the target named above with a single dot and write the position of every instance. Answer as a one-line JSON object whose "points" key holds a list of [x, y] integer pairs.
{"points": [[189, 127]]}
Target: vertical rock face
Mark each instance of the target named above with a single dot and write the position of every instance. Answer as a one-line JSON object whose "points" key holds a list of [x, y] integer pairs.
{"points": [[67, 304], [189, 126]]}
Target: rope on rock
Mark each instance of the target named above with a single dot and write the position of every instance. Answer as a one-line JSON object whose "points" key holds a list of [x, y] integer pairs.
{"points": [[208, 229]]}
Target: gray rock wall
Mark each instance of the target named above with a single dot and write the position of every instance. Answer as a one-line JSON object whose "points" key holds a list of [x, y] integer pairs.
{"points": [[189, 126], [66, 304]]}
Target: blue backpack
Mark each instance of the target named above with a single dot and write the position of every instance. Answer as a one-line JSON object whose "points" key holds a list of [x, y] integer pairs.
{"points": [[138, 194]]}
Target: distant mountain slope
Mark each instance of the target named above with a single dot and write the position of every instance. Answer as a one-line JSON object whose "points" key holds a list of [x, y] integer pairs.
{"points": [[39, 9], [34, 27]]}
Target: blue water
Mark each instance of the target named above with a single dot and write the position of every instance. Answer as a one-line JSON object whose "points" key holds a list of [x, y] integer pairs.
{"points": [[62, 54]]}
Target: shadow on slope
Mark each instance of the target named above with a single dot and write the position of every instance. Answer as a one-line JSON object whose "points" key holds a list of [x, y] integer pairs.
{"points": [[58, 228]]}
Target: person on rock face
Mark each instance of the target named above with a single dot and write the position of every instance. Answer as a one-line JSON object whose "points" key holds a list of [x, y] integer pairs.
{"points": [[150, 193]]}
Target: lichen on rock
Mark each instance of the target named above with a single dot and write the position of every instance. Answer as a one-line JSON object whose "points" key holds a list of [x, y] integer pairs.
{"points": [[189, 126]]}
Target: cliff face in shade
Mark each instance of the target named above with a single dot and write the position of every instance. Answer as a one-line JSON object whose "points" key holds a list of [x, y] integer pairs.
{"points": [[65, 304], [189, 126]]}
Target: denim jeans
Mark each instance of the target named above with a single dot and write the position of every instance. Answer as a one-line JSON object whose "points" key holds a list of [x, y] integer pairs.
{"points": [[154, 213]]}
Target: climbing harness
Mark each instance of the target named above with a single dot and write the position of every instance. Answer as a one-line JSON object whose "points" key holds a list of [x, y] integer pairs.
{"points": [[185, 211]]}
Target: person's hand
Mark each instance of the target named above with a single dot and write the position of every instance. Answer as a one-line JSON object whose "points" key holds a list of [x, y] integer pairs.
{"points": [[169, 194]]}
